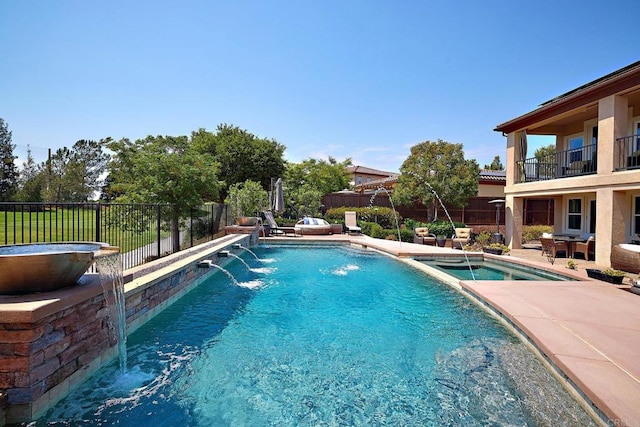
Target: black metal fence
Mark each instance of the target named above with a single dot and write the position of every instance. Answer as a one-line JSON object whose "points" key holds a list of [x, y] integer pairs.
{"points": [[141, 231], [627, 153]]}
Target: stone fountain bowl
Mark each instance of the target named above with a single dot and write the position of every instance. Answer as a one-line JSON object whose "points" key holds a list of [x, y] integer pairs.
{"points": [[45, 267]]}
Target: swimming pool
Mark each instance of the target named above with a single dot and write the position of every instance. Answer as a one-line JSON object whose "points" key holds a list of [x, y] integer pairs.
{"points": [[485, 269], [330, 336]]}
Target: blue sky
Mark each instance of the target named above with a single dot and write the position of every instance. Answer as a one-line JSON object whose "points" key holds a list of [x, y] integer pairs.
{"points": [[359, 79]]}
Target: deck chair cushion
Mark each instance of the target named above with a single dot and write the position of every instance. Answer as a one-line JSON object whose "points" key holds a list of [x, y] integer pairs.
{"points": [[463, 233], [422, 231]]}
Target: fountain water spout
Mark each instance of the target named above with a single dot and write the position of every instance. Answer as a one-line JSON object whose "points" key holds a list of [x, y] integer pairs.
{"points": [[110, 269], [473, 276]]}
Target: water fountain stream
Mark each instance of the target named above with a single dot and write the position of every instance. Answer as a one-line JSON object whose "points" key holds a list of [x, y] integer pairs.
{"points": [[473, 276], [233, 279], [241, 260], [110, 269], [395, 214], [239, 246]]}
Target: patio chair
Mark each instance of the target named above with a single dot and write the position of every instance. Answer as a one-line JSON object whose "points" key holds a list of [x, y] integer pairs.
{"points": [[351, 223], [551, 247], [587, 248], [422, 236], [461, 237], [273, 225]]}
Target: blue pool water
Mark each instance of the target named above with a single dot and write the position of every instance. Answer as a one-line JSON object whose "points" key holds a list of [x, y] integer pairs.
{"points": [[490, 270], [321, 336]]}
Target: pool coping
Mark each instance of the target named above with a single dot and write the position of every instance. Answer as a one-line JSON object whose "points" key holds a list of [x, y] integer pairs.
{"points": [[585, 331]]}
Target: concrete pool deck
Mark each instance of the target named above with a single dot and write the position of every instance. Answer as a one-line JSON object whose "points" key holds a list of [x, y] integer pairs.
{"points": [[588, 329]]}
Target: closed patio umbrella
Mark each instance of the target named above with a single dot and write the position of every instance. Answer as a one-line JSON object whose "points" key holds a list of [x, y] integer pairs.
{"points": [[523, 145], [278, 204]]}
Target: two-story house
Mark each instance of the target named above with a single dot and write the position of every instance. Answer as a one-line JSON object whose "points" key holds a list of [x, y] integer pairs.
{"points": [[594, 174]]}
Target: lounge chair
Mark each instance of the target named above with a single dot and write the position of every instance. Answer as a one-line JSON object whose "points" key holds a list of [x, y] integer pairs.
{"points": [[309, 225], [461, 237], [626, 257], [422, 236], [274, 228], [351, 223]]}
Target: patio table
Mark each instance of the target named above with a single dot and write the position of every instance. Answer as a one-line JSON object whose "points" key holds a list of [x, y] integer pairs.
{"points": [[571, 242]]}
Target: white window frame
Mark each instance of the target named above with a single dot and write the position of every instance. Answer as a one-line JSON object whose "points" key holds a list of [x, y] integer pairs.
{"points": [[574, 154], [580, 215]]}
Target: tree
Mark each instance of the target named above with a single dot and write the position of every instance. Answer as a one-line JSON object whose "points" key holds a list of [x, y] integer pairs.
{"points": [[31, 180], [247, 199], [75, 175], [163, 169], [547, 150], [546, 158], [8, 170], [306, 182], [242, 156], [92, 163], [64, 182], [496, 165], [437, 168]]}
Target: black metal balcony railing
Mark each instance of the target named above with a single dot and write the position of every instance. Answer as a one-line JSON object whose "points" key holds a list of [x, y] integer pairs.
{"points": [[561, 164], [627, 153]]}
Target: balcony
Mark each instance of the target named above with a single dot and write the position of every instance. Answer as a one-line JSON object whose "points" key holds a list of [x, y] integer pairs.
{"points": [[627, 151], [561, 164]]}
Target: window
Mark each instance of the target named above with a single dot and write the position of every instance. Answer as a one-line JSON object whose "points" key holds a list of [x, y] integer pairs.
{"points": [[575, 149], [359, 180], [574, 221]]}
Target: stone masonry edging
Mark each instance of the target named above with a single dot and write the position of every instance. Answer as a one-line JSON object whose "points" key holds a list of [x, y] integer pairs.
{"points": [[51, 342]]}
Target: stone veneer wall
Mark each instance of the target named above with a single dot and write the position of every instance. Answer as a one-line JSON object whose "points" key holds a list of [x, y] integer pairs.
{"points": [[50, 342]]}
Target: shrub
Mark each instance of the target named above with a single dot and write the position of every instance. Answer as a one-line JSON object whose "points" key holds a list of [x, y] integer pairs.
{"points": [[483, 238], [534, 232], [443, 228], [380, 214], [613, 272], [372, 229], [406, 235], [411, 223]]}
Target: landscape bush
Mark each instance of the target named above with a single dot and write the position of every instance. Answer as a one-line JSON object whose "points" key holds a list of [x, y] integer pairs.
{"points": [[531, 233], [377, 214], [444, 228]]}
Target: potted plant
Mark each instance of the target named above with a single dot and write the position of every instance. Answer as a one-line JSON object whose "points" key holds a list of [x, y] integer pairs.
{"points": [[614, 276], [441, 230], [496, 249], [246, 200], [610, 275]]}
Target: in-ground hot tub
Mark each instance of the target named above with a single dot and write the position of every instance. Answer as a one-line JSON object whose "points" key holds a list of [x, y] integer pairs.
{"points": [[44, 267]]}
